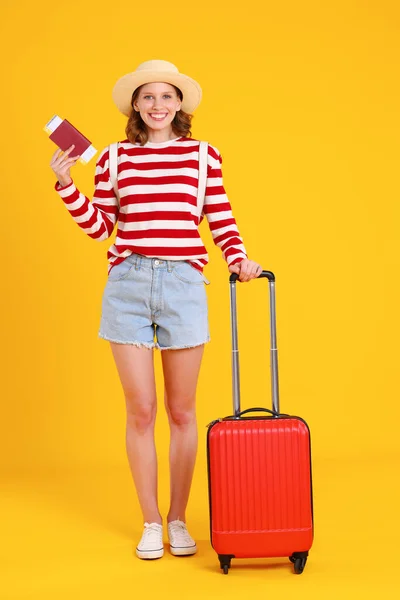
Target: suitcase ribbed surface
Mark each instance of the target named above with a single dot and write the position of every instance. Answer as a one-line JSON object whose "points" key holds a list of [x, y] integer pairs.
{"points": [[260, 486]]}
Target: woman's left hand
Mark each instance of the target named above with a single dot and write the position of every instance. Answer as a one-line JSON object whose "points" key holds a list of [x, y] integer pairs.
{"points": [[247, 269]]}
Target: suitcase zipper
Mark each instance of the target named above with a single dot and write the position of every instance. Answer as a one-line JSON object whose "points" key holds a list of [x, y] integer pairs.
{"points": [[213, 422], [231, 417]]}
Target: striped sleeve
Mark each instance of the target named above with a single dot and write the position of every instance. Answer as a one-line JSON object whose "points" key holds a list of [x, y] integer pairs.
{"points": [[97, 218], [218, 212]]}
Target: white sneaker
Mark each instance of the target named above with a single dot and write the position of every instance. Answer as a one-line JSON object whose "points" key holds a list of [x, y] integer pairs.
{"points": [[181, 543], [151, 545]]}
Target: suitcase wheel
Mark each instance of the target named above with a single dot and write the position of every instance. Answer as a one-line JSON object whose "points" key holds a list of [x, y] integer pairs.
{"points": [[225, 562], [299, 565], [299, 560]]}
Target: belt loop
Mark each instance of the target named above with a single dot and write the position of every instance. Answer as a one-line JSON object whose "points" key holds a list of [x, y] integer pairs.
{"points": [[137, 263], [169, 266]]}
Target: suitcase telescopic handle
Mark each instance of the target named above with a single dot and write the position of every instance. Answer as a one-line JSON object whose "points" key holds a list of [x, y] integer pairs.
{"points": [[235, 347], [267, 274]]}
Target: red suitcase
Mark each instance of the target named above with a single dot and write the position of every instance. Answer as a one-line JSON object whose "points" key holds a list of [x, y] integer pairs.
{"points": [[259, 469]]}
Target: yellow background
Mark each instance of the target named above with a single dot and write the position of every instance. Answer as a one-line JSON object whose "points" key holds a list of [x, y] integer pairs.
{"points": [[302, 100]]}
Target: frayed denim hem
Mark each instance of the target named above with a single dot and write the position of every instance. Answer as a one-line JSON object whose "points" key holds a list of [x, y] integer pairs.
{"points": [[136, 344], [158, 347]]}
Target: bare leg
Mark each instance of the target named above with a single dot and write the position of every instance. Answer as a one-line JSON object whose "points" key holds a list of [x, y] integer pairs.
{"points": [[136, 371], [181, 370]]}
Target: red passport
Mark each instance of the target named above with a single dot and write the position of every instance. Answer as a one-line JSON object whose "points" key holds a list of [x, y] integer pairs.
{"points": [[64, 134]]}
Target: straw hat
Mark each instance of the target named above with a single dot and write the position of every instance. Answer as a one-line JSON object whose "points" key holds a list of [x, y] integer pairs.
{"points": [[156, 71]]}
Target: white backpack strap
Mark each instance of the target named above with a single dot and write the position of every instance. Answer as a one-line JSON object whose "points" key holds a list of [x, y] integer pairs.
{"points": [[113, 167], [201, 189]]}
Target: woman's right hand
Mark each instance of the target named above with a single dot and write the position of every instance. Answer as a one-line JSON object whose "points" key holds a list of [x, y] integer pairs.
{"points": [[61, 164]]}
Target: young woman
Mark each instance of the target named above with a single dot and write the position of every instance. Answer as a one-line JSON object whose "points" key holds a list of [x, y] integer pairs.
{"points": [[155, 294]]}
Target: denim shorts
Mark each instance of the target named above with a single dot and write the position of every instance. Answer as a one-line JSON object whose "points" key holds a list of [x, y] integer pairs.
{"points": [[154, 303]]}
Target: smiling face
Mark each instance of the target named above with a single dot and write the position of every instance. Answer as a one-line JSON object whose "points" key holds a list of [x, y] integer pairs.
{"points": [[157, 104]]}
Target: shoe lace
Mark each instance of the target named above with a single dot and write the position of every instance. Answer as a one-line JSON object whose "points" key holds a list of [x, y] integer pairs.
{"points": [[179, 531], [151, 532]]}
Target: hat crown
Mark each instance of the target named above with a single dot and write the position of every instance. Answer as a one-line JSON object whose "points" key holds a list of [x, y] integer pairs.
{"points": [[158, 65]]}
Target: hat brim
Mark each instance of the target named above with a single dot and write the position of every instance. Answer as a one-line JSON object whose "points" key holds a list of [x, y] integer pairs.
{"points": [[126, 85]]}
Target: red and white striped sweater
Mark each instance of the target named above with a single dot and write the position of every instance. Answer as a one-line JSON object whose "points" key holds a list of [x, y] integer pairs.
{"points": [[157, 185]]}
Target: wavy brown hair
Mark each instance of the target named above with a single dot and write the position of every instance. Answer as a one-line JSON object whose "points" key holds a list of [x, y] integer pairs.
{"points": [[136, 130]]}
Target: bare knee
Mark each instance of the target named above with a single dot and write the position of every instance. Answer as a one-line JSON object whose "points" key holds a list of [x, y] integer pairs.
{"points": [[180, 414], [140, 413]]}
